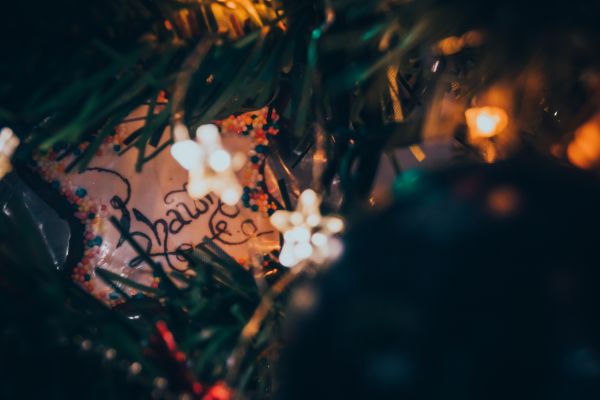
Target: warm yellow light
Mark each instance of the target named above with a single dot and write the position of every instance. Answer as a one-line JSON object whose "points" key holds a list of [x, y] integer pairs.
{"points": [[584, 150], [454, 44], [219, 160], [417, 152], [450, 45], [486, 122]]}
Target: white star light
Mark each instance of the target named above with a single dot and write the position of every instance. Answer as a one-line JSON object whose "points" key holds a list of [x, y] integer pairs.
{"points": [[307, 235], [211, 168]]}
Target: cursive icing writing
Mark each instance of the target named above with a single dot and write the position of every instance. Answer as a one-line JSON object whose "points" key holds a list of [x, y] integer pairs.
{"points": [[225, 224]]}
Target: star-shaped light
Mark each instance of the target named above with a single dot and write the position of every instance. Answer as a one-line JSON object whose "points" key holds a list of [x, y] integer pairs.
{"points": [[8, 144], [211, 167], [307, 235]]}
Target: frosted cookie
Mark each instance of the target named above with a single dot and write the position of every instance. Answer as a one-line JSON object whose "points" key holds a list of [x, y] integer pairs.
{"points": [[154, 207]]}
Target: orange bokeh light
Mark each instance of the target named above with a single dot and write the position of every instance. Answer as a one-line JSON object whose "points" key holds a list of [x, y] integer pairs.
{"points": [[486, 122], [584, 150]]}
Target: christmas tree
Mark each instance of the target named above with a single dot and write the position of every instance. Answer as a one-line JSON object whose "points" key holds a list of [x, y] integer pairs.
{"points": [[173, 172]]}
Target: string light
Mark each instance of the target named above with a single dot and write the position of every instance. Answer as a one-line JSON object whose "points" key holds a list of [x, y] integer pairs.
{"points": [[8, 144], [486, 122], [307, 234], [211, 168]]}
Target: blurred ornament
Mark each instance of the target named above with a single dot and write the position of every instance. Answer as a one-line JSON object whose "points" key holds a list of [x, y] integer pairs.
{"points": [[8, 144], [307, 234], [584, 149], [211, 168], [486, 122]]}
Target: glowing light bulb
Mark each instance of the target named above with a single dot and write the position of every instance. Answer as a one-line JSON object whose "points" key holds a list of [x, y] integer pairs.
{"points": [[208, 134], [219, 160], [306, 234], [486, 122], [211, 168]]}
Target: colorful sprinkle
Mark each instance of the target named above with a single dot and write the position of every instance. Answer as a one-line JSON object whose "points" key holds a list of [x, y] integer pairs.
{"points": [[80, 192]]}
